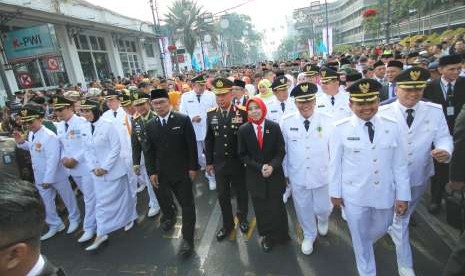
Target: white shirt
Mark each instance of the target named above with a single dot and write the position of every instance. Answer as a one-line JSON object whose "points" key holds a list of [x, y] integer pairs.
{"points": [[444, 86], [164, 118], [38, 267], [255, 128]]}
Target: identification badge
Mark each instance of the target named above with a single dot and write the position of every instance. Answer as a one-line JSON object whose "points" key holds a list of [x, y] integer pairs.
{"points": [[7, 159], [450, 111], [294, 129], [353, 138]]}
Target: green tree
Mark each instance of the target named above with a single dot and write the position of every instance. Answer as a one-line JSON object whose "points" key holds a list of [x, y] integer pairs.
{"points": [[188, 22], [287, 49]]}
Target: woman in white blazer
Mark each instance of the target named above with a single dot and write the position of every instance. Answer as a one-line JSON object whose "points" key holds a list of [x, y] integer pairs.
{"points": [[109, 171]]}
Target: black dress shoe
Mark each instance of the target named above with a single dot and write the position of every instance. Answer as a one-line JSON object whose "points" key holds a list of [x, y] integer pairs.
{"points": [[168, 224], [434, 208], [222, 234], [267, 244], [186, 249], [244, 226]]}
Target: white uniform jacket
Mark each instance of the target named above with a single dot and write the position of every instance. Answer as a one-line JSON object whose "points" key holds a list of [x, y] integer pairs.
{"points": [[364, 173], [191, 107], [429, 127], [73, 141], [275, 111], [341, 108], [103, 151], [307, 153], [121, 122], [45, 152]]}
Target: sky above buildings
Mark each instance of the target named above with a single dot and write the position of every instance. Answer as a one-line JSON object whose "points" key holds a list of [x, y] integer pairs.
{"points": [[268, 16]]}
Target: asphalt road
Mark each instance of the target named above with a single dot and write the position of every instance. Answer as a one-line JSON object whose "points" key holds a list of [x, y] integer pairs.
{"points": [[147, 250]]}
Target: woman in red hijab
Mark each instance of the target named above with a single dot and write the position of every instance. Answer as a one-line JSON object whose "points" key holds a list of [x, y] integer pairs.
{"points": [[261, 149]]}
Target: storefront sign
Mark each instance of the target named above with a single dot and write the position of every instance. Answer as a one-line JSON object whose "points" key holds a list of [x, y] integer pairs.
{"points": [[25, 80], [52, 64], [29, 43]]}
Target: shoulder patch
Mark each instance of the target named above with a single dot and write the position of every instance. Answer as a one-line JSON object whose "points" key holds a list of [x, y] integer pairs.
{"points": [[137, 116], [212, 109], [438, 106], [342, 121]]}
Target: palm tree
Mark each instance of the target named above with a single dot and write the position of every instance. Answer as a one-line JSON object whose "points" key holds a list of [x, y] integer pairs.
{"points": [[190, 23]]}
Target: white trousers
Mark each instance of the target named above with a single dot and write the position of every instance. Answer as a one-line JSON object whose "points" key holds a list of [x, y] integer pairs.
{"points": [[86, 185], [63, 188], [145, 180], [366, 225], [203, 161], [113, 202], [310, 205], [400, 230]]}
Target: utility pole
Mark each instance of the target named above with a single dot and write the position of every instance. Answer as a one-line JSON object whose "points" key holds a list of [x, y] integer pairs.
{"points": [[156, 28], [327, 26]]}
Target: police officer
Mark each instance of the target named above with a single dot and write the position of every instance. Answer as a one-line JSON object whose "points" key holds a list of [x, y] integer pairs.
{"points": [[306, 135], [422, 124], [368, 174], [49, 174], [332, 101], [282, 104], [139, 144], [221, 154]]}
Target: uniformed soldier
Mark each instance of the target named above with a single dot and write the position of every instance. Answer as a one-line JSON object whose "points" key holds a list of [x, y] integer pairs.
{"points": [[139, 143], [306, 135], [282, 104], [73, 131], [332, 101], [195, 104], [49, 174], [368, 173], [221, 154], [422, 124]]}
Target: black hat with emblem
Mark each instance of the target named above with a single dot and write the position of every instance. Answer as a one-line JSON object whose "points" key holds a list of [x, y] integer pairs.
{"points": [[158, 94], [139, 97], [449, 60], [125, 98], [30, 112], [279, 83], [60, 101], [200, 79], [239, 83], [304, 92], [414, 77], [328, 74], [110, 93], [354, 76], [222, 86], [378, 63], [310, 69], [364, 90], [395, 63]]}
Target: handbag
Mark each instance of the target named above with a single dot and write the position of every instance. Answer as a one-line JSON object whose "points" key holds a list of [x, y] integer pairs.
{"points": [[455, 210]]}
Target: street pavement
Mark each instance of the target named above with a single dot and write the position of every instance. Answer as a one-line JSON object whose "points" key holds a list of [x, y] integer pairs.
{"points": [[147, 250]]}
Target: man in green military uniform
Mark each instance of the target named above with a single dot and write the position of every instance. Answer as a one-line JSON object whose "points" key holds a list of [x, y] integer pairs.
{"points": [[221, 156]]}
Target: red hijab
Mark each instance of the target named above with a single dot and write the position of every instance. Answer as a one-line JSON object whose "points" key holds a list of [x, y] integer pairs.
{"points": [[261, 105]]}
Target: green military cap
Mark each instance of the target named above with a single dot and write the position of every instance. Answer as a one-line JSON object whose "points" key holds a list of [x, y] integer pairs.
{"points": [[328, 74], [222, 86], [280, 82], [139, 97], [59, 102], [125, 98], [414, 77], [200, 79], [304, 92], [310, 69], [89, 104], [364, 90], [30, 112]]}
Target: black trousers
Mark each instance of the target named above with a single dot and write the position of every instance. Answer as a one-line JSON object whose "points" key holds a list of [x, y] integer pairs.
{"points": [[271, 215], [182, 190], [227, 177], [456, 264], [439, 181]]}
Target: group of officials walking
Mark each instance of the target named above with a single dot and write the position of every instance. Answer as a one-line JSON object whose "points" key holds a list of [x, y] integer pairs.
{"points": [[327, 147]]}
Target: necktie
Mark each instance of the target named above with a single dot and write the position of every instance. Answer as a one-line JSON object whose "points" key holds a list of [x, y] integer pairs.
{"points": [[225, 114], [306, 124], [332, 100], [33, 137], [115, 113], [409, 116], [163, 122], [283, 106], [393, 90], [259, 136], [92, 128], [371, 131], [66, 127], [238, 102], [198, 98], [450, 92]]}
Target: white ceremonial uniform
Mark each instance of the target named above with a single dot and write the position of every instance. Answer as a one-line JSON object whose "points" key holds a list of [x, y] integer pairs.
{"points": [[73, 140], [429, 127], [275, 110], [306, 167], [339, 110], [45, 150], [267, 100], [191, 106], [112, 192], [369, 177]]}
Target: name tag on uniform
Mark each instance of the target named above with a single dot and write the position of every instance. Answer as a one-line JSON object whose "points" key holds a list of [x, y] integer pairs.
{"points": [[273, 111], [174, 128], [294, 129], [450, 111], [190, 101], [321, 105], [353, 138]]}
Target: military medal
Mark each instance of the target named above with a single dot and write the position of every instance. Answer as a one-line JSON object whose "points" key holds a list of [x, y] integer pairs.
{"points": [[38, 147]]}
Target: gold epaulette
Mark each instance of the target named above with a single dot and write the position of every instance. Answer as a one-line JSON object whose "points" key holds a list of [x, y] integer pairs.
{"points": [[241, 107], [212, 109]]}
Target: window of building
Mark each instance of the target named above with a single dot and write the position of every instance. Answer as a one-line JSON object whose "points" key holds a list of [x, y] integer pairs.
{"points": [[129, 57], [93, 56], [149, 50]]}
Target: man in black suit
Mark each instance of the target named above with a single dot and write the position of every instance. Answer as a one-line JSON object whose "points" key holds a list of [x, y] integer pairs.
{"points": [[393, 68], [238, 89], [448, 91], [261, 149], [456, 264], [222, 159], [172, 163], [22, 218]]}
